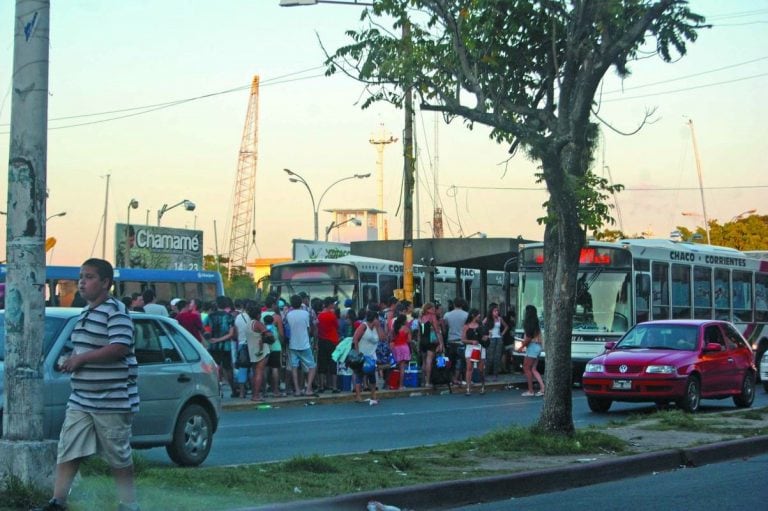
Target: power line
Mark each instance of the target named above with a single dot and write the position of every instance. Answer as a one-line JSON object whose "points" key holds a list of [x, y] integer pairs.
{"points": [[626, 189], [694, 87]]}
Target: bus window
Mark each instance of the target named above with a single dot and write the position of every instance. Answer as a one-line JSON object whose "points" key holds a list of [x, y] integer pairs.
{"points": [[761, 297], [370, 294], [165, 291], [660, 288], [642, 295], [387, 286], [210, 292], [722, 294], [702, 292], [681, 291], [742, 296], [191, 291]]}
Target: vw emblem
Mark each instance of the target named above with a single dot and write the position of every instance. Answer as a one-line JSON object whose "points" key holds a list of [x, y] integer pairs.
{"points": [[623, 368]]}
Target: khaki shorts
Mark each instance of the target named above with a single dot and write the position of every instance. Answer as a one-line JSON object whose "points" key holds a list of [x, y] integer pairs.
{"points": [[86, 433]]}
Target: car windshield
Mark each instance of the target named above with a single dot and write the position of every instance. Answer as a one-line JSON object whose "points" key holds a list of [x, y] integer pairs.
{"points": [[52, 328], [660, 336]]}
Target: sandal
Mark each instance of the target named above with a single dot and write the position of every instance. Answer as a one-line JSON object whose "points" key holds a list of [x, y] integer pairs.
{"points": [[528, 393]]}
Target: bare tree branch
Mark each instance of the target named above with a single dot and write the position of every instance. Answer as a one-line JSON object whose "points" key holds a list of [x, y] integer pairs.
{"points": [[646, 120]]}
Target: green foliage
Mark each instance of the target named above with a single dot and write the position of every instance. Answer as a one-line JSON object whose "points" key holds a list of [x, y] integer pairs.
{"points": [[311, 464], [239, 285], [750, 233], [535, 441], [14, 494]]}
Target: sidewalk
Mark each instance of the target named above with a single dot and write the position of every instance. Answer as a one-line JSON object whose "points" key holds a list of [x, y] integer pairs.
{"points": [[510, 381]]}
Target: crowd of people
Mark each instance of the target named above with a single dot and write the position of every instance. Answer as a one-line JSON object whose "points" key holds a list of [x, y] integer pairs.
{"points": [[305, 347]]}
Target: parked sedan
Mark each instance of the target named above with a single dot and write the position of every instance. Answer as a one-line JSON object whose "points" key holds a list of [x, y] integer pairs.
{"points": [[178, 384], [680, 361]]}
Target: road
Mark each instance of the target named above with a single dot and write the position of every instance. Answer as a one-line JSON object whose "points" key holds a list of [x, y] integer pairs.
{"points": [[259, 435], [722, 486]]}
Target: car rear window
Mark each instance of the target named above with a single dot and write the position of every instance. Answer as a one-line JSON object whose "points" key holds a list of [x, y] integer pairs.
{"points": [[52, 328]]}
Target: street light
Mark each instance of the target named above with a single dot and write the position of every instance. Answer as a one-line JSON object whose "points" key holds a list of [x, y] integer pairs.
{"points": [[334, 225], [298, 3], [133, 204], [296, 178], [56, 215], [479, 234], [743, 214], [188, 205]]}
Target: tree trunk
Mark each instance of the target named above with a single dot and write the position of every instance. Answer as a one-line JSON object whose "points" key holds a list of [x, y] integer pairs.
{"points": [[563, 239]]}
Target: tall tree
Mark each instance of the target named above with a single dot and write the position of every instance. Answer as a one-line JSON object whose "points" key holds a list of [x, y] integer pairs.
{"points": [[530, 70]]}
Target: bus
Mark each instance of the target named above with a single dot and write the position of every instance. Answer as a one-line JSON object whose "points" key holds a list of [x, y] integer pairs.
{"points": [[61, 284], [627, 282], [366, 279]]}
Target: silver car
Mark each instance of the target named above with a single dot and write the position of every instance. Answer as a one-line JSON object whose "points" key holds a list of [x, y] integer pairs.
{"points": [[178, 384]]}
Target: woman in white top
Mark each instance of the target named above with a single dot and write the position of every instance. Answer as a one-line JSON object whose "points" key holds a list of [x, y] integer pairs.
{"points": [[364, 340]]}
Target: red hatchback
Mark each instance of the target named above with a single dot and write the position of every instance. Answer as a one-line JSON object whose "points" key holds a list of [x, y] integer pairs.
{"points": [[681, 361]]}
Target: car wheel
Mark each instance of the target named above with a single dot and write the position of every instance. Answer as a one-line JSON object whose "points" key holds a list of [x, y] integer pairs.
{"points": [[192, 437], [747, 395], [599, 404], [692, 398]]}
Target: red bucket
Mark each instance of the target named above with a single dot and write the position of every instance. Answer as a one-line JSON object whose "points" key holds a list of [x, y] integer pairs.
{"points": [[475, 355], [393, 380]]}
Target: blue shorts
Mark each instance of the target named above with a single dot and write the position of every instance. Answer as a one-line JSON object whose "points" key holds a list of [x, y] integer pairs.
{"points": [[303, 358], [533, 350]]}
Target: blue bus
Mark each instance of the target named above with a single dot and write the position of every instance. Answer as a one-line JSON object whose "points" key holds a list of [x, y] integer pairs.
{"points": [[61, 284]]}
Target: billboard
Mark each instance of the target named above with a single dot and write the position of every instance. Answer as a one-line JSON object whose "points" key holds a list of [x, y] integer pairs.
{"points": [[305, 249], [158, 247]]}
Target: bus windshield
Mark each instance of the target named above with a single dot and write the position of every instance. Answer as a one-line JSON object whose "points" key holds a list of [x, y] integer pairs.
{"points": [[340, 291], [602, 299]]}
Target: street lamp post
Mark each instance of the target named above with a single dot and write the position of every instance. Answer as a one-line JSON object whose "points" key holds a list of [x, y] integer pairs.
{"points": [[333, 225], [188, 205], [133, 204], [743, 214], [296, 178], [56, 215]]}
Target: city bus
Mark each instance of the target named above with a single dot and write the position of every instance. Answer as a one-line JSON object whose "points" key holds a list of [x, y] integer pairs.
{"points": [[631, 281], [365, 280], [61, 284]]}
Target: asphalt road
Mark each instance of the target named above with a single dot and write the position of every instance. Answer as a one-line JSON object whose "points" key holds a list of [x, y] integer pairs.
{"points": [[280, 433], [734, 484]]}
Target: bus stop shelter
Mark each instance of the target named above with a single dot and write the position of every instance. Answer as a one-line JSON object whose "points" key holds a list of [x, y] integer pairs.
{"points": [[480, 254]]}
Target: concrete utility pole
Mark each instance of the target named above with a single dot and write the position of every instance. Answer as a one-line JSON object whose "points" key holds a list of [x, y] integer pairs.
{"points": [[380, 143], [408, 177], [23, 451]]}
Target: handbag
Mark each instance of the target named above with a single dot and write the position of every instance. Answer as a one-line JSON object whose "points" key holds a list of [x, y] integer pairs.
{"points": [[243, 359]]}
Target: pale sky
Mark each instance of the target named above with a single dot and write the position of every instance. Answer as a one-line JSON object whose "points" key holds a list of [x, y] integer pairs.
{"points": [[109, 55]]}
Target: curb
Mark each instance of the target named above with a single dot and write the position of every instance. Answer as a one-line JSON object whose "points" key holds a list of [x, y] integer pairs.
{"points": [[451, 494]]}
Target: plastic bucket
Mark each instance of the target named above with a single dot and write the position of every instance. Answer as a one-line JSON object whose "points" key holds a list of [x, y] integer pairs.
{"points": [[475, 355], [393, 379]]}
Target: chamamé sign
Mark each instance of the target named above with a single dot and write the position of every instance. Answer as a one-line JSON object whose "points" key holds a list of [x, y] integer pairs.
{"points": [[158, 247]]}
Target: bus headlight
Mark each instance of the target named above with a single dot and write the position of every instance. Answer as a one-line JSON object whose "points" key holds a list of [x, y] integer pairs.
{"points": [[594, 368], [660, 369]]}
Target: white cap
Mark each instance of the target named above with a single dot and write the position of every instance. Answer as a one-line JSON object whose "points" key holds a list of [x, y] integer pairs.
{"points": [[175, 301]]}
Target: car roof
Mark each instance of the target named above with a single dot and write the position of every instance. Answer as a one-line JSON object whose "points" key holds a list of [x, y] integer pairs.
{"points": [[68, 312], [690, 322]]}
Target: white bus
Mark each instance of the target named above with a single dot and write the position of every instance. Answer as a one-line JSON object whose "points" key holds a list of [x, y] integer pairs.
{"points": [[631, 281], [366, 280]]}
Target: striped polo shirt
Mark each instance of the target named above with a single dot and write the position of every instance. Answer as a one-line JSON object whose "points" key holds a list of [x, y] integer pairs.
{"points": [[109, 386]]}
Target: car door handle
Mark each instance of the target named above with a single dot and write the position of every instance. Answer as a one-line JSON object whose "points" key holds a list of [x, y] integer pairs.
{"points": [[730, 360], [183, 378]]}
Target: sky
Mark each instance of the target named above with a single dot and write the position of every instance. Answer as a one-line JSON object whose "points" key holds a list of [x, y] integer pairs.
{"points": [[111, 55]]}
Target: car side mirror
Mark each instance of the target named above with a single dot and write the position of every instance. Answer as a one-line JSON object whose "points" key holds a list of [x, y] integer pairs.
{"points": [[712, 346], [610, 345]]}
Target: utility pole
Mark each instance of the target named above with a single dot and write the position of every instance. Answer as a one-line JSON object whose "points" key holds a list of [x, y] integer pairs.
{"points": [[701, 182], [437, 211], [104, 226], [24, 453], [408, 176]]}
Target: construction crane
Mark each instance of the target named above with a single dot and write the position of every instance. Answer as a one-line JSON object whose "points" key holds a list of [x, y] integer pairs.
{"points": [[243, 232]]}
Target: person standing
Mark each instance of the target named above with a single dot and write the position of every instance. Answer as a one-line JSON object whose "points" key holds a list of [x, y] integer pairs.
{"points": [[104, 394], [496, 327], [455, 320], [223, 336], [475, 338], [242, 323], [430, 339], [271, 318], [532, 345], [150, 307], [258, 349], [365, 340], [401, 346], [190, 319], [300, 346], [327, 340]]}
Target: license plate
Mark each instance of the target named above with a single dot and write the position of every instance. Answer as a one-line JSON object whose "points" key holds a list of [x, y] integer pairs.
{"points": [[622, 385]]}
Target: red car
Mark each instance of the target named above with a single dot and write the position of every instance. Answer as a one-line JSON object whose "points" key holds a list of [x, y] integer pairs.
{"points": [[681, 361]]}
